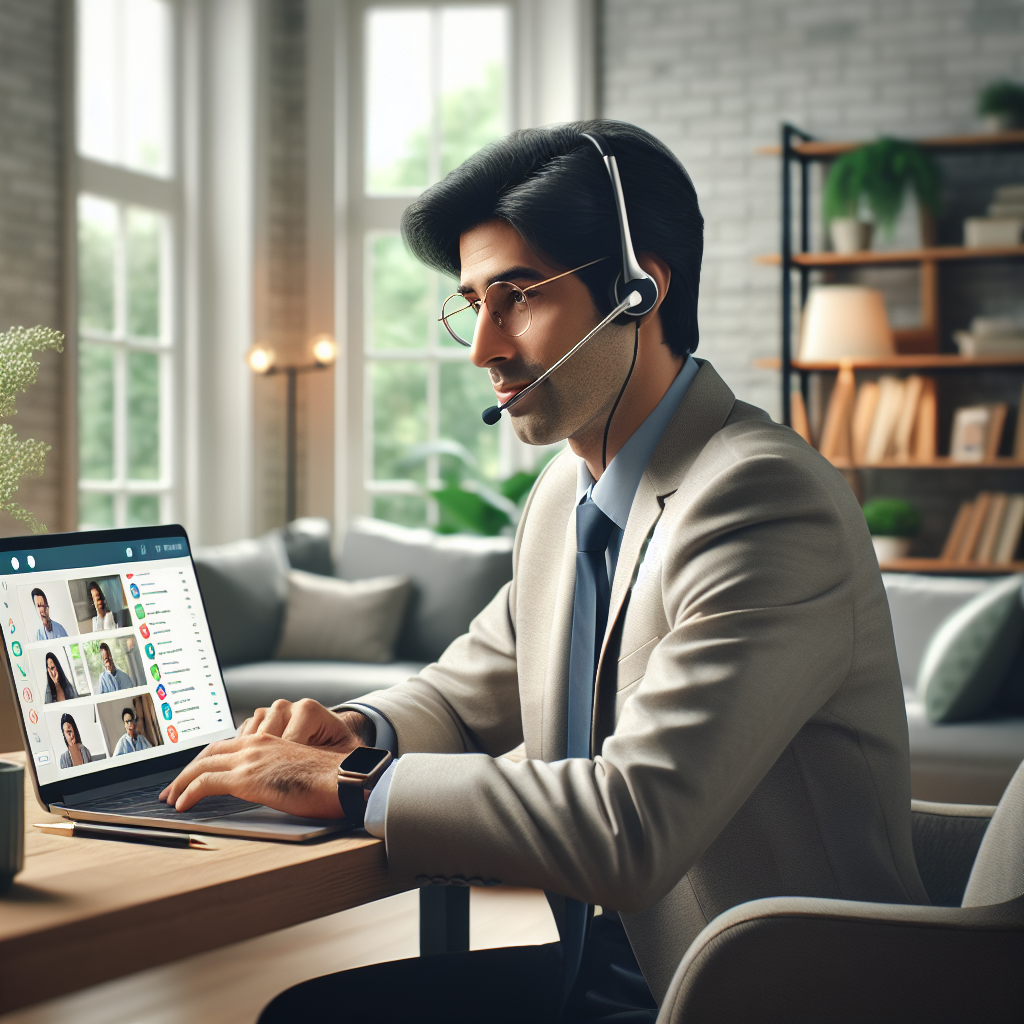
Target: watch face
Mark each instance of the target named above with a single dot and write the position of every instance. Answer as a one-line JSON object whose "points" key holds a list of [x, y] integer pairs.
{"points": [[363, 760]]}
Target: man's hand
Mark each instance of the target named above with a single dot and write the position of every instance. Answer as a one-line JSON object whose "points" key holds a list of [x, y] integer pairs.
{"points": [[310, 723], [266, 769]]}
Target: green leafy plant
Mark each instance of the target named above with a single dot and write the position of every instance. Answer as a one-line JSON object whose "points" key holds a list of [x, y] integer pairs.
{"points": [[467, 503], [18, 372], [1004, 99], [879, 175], [892, 517]]}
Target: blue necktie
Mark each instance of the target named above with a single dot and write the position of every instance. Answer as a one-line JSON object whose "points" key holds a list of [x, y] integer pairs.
{"points": [[589, 618]]}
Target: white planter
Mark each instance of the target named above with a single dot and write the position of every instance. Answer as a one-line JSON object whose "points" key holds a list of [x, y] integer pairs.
{"points": [[888, 549], [850, 235]]}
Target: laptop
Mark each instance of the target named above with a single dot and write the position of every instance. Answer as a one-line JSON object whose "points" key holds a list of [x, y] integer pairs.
{"points": [[117, 682]]}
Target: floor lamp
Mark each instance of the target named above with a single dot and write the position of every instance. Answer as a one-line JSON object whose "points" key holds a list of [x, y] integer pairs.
{"points": [[262, 359]]}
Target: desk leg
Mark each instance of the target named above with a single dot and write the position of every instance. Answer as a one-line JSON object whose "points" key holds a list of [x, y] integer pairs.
{"points": [[444, 919]]}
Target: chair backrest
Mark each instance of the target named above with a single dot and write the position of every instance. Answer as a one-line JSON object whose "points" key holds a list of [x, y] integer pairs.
{"points": [[998, 872]]}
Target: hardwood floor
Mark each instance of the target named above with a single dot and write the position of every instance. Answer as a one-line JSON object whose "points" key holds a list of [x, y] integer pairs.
{"points": [[232, 985]]}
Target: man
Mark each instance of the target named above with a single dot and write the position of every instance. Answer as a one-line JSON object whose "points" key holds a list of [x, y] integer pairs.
{"points": [[132, 740], [743, 733], [49, 630], [112, 678]]}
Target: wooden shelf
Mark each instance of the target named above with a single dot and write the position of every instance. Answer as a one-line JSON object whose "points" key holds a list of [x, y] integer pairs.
{"points": [[942, 462], [929, 361], [822, 150], [938, 565], [882, 257]]}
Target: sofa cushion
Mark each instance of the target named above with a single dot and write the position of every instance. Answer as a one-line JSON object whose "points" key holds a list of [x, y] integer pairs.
{"points": [[329, 682], [307, 542], [328, 619], [453, 578], [244, 588], [968, 658]]}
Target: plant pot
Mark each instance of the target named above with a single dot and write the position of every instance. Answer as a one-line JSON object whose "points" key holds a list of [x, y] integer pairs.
{"points": [[850, 235], [888, 549]]}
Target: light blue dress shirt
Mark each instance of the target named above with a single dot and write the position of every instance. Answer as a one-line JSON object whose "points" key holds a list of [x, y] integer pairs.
{"points": [[127, 746], [613, 494], [116, 680], [42, 633]]}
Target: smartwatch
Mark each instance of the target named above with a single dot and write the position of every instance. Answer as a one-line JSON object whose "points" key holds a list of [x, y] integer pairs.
{"points": [[360, 771]]}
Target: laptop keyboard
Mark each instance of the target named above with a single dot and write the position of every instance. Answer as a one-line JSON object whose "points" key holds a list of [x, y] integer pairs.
{"points": [[143, 803]]}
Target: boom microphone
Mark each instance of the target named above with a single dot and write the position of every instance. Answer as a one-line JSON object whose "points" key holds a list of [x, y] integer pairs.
{"points": [[493, 414]]}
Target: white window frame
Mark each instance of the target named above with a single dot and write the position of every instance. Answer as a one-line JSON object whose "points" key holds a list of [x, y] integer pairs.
{"points": [[160, 194]]}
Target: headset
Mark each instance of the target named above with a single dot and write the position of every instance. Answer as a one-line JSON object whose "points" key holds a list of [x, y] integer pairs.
{"points": [[634, 292]]}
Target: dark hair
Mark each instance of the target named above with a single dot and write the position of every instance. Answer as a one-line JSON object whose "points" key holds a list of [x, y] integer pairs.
{"points": [[36, 592], [129, 711], [551, 185], [74, 725], [106, 647], [93, 585], [65, 685]]}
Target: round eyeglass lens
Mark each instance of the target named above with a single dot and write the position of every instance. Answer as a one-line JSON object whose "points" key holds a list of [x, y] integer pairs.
{"points": [[506, 305], [460, 319]]}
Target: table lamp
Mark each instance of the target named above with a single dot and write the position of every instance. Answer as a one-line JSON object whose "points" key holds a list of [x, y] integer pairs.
{"points": [[843, 320]]}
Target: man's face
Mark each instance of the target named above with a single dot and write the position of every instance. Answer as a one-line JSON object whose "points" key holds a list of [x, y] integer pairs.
{"points": [[108, 661], [563, 312], [44, 610], [129, 726]]}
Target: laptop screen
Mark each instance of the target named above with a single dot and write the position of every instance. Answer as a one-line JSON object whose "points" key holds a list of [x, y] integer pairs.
{"points": [[110, 650]]}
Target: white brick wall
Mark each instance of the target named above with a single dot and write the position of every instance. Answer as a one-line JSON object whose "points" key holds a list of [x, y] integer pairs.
{"points": [[714, 78]]}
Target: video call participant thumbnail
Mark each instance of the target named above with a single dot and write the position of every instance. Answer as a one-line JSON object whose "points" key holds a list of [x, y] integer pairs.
{"points": [[100, 603], [58, 686], [48, 630], [132, 740], [112, 678], [77, 752]]}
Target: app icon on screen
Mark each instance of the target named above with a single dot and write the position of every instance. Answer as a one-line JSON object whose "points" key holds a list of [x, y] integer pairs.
{"points": [[166, 710], [144, 630], [160, 692], [26, 694], [32, 716], [172, 734], [15, 564], [134, 588], [150, 651], [10, 626], [24, 674], [31, 562], [16, 647], [154, 672], [140, 612]]}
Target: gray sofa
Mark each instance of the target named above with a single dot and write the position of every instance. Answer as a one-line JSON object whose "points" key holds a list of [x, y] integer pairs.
{"points": [[244, 588]]}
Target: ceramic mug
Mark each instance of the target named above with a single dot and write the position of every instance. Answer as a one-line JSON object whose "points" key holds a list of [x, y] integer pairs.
{"points": [[12, 822]]}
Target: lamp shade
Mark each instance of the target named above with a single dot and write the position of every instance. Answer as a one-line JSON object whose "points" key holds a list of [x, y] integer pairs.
{"points": [[842, 320]]}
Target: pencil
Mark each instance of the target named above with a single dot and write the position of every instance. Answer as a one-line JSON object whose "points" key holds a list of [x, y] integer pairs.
{"points": [[152, 837]]}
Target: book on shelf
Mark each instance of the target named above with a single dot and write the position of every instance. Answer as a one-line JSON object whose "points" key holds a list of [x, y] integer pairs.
{"points": [[835, 433], [986, 531], [864, 409], [977, 431], [926, 430]]}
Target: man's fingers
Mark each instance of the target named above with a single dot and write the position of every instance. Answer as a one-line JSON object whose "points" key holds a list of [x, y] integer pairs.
{"points": [[208, 783], [215, 756], [275, 719]]}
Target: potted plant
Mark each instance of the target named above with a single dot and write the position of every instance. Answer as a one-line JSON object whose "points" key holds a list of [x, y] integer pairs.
{"points": [[1001, 106], [892, 523], [875, 178]]}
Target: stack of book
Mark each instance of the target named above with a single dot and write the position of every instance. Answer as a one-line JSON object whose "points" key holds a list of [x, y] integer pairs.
{"points": [[986, 531], [892, 419], [991, 336]]}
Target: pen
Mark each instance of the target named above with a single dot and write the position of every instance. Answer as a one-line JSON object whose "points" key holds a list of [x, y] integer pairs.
{"points": [[122, 835]]}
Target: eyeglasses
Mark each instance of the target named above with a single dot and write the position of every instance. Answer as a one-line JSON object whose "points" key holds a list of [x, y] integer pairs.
{"points": [[507, 304]]}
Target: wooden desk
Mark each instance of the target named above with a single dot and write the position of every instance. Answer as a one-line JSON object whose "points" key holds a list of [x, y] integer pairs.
{"points": [[85, 911]]}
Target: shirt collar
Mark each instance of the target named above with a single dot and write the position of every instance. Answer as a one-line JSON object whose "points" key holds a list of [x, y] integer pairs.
{"points": [[614, 492]]}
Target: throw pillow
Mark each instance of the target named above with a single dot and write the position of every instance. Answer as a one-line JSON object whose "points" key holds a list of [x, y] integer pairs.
{"points": [[970, 654], [328, 619]]}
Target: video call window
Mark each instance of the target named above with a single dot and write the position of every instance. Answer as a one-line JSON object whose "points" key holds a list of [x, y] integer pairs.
{"points": [[99, 603], [55, 674], [76, 735], [48, 611], [130, 725], [113, 664]]}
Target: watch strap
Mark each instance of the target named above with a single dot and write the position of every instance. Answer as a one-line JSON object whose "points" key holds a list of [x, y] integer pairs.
{"points": [[353, 803]]}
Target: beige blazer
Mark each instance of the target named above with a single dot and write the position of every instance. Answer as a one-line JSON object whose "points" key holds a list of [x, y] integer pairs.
{"points": [[749, 725]]}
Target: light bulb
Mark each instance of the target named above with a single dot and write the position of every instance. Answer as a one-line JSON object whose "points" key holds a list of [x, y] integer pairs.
{"points": [[260, 358], [325, 349]]}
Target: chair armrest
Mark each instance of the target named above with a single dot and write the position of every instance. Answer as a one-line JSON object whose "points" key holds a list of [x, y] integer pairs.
{"points": [[808, 960], [946, 841]]}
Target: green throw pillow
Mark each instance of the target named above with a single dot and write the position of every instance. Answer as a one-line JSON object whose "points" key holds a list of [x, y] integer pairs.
{"points": [[969, 656]]}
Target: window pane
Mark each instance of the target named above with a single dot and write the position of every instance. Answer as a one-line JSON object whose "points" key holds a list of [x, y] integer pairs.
{"points": [[144, 230], [399, 397], [465, 393], [401, 310], [398, 106], [404, 509], [143, 416], [124, 93], [97, 235], [95, 412], [472, 107], [95, 511], [143, 510]]}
